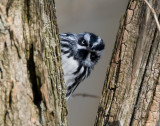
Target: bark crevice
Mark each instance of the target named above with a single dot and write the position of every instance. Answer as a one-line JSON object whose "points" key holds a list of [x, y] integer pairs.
{"points": [[35, 81], [27, 9], [142, 81], [5, 117], [9, 4]]}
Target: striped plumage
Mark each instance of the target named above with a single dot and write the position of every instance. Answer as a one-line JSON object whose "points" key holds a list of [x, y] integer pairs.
{"points": [[80, 52]]}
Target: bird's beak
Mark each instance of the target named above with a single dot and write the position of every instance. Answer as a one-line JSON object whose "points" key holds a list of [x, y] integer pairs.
{"points": [[89, 49]]}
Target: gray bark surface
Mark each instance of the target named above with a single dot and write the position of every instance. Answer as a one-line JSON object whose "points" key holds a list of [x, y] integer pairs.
{"points": [[131, 92], [32, 90]]}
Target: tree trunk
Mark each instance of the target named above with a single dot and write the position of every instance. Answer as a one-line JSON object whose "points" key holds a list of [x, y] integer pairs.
{"points": [[32, 89], [131, 93]]}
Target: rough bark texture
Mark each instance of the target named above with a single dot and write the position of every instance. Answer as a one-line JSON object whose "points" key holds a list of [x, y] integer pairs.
{"points": [[31, 78], [131, 93]]}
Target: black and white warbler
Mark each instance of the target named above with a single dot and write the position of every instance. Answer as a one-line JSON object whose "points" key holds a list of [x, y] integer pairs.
{"points": [[80, 52]]}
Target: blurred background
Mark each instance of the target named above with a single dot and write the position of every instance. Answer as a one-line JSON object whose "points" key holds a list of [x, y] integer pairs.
{"points": [[102, 18]]}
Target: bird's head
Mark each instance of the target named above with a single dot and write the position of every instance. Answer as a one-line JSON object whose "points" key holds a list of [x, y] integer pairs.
{"points": [[85, 47]]}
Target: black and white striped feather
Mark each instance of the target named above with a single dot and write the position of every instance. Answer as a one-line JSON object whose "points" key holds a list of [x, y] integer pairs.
{"points": [[80, 52]]}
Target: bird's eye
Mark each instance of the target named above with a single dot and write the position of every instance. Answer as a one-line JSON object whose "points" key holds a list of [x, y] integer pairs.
{"points": [[84, 43], [93, 56]]}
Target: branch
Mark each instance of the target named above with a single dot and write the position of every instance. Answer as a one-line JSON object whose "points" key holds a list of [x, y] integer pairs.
{"points": [[154, 14], [85, 95]]}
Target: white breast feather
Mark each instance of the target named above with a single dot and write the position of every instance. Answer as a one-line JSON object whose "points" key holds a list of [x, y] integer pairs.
{"points": [[69, 67]]}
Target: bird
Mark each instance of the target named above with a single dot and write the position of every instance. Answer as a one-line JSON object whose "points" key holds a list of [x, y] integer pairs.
{"points": [[79, 54]]}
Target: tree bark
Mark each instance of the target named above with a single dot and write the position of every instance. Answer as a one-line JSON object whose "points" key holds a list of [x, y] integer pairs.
{"points": [[32, 90], [131, 92]]}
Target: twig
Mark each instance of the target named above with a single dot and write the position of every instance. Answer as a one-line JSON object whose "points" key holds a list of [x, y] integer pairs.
{"points": [[85, 95], [154, 14]]}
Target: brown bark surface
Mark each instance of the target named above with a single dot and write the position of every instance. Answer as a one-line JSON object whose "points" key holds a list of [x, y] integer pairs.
{"points": [[131, 93], [31, 78]]}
